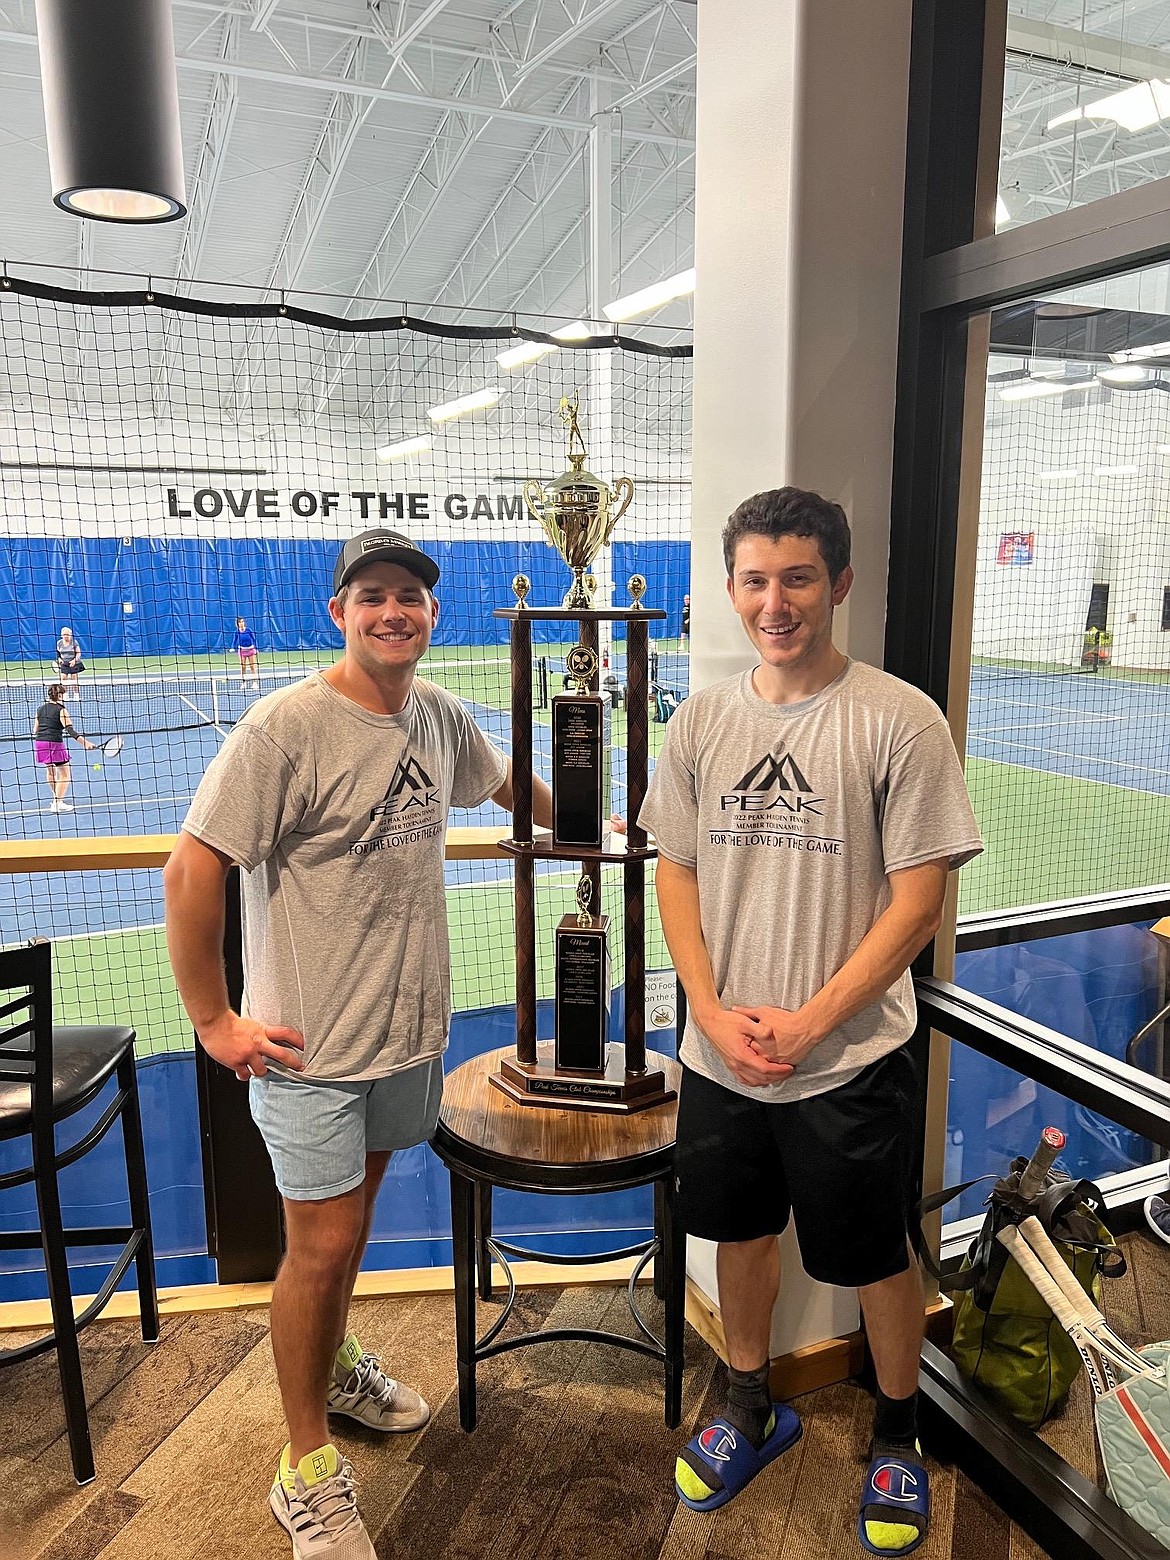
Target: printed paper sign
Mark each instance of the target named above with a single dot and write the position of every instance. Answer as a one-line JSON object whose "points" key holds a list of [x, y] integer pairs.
{"points": [[661, 998]]}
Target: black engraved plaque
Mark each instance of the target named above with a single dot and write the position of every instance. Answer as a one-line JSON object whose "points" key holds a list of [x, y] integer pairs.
{"points": [[578, 769], [582, 993]]}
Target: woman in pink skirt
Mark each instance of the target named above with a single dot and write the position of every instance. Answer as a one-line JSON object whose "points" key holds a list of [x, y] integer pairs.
{"points": [[50, 730]]}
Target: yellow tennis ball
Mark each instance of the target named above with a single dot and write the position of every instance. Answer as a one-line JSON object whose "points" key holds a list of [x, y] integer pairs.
{"points": [[97, 766]]}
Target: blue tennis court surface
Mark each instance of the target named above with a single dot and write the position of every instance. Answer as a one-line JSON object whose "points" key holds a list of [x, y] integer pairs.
{"points": [[173, 727], [1084, 726]]}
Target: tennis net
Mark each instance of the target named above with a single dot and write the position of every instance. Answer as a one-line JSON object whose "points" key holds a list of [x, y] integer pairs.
{"points": [[102, 707]]}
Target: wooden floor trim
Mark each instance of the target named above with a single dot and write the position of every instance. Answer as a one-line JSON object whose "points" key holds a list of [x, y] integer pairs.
{"points": [[20, 1314]]}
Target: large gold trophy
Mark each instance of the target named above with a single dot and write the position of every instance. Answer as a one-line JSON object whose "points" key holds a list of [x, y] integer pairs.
{"points": [[585, 1068], [578, 511]]}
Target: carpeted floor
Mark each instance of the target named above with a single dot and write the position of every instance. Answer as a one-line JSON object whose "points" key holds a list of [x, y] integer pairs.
{"points": [[571, 1457]]}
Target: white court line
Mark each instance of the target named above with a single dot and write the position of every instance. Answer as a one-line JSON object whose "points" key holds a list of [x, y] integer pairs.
{"points": [[1052, 774], [109, 931], [203, 715], [1040, 725], [1082, 758], [1070, 713], [84, 807]]}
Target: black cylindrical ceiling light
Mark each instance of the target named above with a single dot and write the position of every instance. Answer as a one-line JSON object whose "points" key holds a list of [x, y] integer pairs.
{"points": [[112, 109]]}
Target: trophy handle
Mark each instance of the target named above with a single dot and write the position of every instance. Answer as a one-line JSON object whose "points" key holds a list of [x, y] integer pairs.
{"points": [[535, 501], [623, 488]]}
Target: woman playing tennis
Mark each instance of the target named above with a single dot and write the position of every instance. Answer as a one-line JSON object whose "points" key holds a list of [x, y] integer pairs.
{"points": [[245, 646], [69, 661], [50, 730]]}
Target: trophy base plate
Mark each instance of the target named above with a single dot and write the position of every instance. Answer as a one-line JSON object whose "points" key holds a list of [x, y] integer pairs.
{"points": [[614, 1091]]}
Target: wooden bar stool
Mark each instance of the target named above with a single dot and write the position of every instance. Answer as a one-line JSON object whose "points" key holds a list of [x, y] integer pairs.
{"points": [[487, 1140], [48, 1074]]}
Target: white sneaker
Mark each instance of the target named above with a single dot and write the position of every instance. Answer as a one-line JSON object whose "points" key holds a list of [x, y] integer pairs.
{"points": [[54, 807], [64, 807], [361, 1390], [316, 1504]]}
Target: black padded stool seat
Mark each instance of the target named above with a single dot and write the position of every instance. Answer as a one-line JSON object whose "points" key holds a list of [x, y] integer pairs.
{"points": [[47, 1074], [85, 1057]]}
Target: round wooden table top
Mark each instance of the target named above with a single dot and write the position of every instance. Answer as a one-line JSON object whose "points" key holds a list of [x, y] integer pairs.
{"points": [[481, 1129]]}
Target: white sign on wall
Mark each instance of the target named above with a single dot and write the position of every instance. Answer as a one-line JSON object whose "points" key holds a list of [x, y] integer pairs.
{"points": [[661, 1000]]}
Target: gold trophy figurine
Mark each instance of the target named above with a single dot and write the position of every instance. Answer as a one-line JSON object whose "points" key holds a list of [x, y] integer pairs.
{"points": [[577, 512]]}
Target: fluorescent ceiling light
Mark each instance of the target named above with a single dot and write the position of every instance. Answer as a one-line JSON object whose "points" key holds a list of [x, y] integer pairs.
{"points": [[1135, 108], [1124, 374], [462, 405], [577, 331], [1057, 476], [651, 298], [406, 447], [1115, 471], [1136, 354], [1035, 389], [525, 352]]}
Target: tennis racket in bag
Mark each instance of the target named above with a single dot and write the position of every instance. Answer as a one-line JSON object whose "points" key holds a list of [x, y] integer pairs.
{"points": [[1131, 1388]]}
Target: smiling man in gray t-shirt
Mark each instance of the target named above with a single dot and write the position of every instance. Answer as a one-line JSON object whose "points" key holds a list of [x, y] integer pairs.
{"points": [[333, 797], [806, 815]]}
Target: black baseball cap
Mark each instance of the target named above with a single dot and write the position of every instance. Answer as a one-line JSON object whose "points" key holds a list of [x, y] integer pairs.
{"points": [[382, 546]]}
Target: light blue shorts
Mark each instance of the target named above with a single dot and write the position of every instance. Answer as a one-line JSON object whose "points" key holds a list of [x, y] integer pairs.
{"points": [[319, 1132]]}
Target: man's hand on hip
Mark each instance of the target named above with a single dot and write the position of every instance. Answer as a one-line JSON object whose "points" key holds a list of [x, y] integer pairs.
{"points": [[733, 1036], [247, 1046]]}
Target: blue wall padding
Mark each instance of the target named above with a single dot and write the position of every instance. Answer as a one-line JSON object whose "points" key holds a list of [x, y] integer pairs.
{"points": [[186, 592], [1098, 987], [412, 1220]]}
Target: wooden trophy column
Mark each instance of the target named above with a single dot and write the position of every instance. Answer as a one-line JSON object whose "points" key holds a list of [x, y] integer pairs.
{"points": [[627, 1079]]}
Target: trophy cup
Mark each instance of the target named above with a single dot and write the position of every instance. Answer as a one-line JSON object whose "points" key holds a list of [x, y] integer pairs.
{"points": [[578, 511], [578, 757], [582, 987]]}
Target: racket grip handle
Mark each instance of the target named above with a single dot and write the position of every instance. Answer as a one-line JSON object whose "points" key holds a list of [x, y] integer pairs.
{"points": [[1037, 1237], [1065, 1312], [1035, 1172]]}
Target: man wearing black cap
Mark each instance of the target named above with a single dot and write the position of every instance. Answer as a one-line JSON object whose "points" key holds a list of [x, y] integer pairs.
{"points": [[333, 795]]}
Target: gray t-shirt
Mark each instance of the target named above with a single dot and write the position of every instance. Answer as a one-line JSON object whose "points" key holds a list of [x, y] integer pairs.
{"points": [[792, 817], [338, 817]]}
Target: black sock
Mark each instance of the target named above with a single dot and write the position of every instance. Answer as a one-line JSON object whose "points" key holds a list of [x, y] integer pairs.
{"points": [[895, 1421], [749, 1402]]}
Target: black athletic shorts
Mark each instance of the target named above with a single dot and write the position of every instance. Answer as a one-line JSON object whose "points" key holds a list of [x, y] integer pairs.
{"points": [[839, 1163]]}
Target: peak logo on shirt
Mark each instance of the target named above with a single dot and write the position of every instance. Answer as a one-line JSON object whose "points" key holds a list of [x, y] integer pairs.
{"points": [[775, 783], [774, 769], [410, 786]]}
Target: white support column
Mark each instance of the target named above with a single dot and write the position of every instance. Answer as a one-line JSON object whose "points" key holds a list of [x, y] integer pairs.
{"points": [[599, 398], [800, 171]]}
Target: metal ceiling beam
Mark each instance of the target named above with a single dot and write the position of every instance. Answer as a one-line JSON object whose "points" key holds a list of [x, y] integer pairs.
{"points": [[585, 20], [213, 146], [1076, 50], [488, 234], [369, 90], [432, 176], [489, 230], [306, 26], [334, 143], [264, 12], [420, 24]]}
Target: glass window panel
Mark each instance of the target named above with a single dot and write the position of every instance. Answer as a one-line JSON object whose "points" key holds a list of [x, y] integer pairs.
{"points": [[1086, 103], [1069, 715]]}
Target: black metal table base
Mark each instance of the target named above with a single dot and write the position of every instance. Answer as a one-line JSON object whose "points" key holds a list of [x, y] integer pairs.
{"points": [[475, 1248]]}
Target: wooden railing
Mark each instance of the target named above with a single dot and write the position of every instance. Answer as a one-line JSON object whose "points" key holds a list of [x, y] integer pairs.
{"points": [[92, 853]]}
